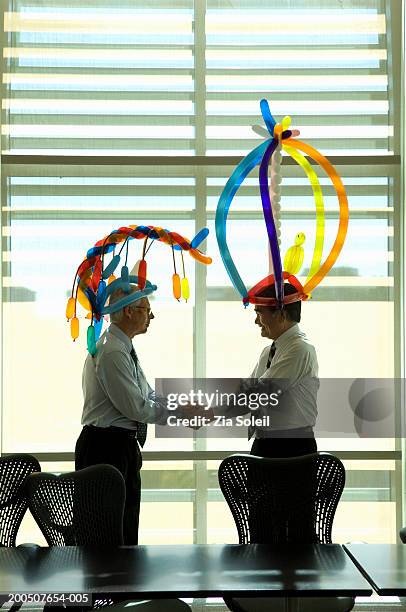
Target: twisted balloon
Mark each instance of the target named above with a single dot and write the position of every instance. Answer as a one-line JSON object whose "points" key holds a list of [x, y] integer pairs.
{"points": [[92, 291], [282, 137]]}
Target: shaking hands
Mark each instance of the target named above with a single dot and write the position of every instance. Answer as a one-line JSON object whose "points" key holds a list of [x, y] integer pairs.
{"points": [[195, 416]]}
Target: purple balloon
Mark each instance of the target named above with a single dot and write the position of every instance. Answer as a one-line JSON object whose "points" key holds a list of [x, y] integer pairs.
{"points": [[270, 223]]}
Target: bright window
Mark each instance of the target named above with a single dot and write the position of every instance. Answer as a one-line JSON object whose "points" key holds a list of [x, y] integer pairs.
{"points": [[120, 112]]}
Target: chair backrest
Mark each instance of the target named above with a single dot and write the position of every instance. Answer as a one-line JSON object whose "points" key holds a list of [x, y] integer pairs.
{"points": [[283, 500], [79, 508], [14, 470]]}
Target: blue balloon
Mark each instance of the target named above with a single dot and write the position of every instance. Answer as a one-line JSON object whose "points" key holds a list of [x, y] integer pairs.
{"points": [[101, 294], [244, 167], [92, 298], [200, 236], [97, 250], [198, 239], [97, 328], [111, 267], [267, 116]]}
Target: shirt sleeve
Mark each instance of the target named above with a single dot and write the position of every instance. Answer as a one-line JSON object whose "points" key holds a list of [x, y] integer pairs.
{"points": [[116, 376]]}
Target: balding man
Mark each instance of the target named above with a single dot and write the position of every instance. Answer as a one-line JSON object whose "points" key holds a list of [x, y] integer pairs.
{"points": [[118, 403]]}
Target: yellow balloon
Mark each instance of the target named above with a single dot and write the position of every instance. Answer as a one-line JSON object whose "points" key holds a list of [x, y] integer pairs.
{"points": [[293, 260], [83, 299], [300, 239], [185, 288], [286, 121], [319, 202]]}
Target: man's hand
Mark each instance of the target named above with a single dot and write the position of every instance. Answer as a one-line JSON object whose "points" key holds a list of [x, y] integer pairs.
{"points": [[200, 415]]}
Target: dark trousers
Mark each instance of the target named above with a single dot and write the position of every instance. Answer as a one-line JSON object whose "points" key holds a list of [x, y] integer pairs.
{"points": [[118, 447], [280, 446]]}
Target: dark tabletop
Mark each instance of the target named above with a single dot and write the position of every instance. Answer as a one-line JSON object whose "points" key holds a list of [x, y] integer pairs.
{"points": [[383, 565], [192, 570]]}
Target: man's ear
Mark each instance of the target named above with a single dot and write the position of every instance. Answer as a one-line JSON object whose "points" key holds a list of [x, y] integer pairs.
{"points": [[127, 310]]}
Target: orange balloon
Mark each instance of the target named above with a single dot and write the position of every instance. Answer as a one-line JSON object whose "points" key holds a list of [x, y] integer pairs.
{"points": [[70, 308], [176, 286], [344, 213], [196, 254], [74, 328]]}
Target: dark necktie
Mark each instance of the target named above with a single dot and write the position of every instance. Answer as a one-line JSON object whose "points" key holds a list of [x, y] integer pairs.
{"points": [[141, 427], [272, 351]]}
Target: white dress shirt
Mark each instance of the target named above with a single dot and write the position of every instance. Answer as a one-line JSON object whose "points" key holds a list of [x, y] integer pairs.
{"points": [[294, 370], [293, 374], [116, 392]]}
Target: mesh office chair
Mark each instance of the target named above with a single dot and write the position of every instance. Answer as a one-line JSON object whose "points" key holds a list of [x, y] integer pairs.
{"points": [[284, 501], [79, 508], [14, 470], [85, 508]]}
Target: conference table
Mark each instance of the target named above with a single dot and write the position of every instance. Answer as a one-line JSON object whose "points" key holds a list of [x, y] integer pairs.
{"points": [[383, 565], [183, 571]]}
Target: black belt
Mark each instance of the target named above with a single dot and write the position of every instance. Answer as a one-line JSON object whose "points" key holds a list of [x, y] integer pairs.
{"points": [[128, 433]]}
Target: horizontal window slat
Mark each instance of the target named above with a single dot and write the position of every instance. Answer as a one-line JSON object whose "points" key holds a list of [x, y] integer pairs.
{"points": [[91, 22], [245, 194], [99, 118], [135, 46], [225, 134], [107, 144], [88, 95], [235, 72], [118, 191], [325, 82], [296, 96], [307, 132], [147, 72], [96, 215], [140, 110], [105, 83], [101, 122], [366, 165], [58, 132], [82, 213], [326, 145]]}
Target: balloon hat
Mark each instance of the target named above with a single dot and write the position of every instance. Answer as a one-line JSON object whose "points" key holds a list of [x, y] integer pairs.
{"points": [[282, 137], [92, 291]]}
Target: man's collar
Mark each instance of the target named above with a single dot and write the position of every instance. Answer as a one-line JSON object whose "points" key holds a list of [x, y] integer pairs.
{"points": [[287, 335], [118, 333]]}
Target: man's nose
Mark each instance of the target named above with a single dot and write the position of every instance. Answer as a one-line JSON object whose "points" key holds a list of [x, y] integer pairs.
{"points": [[151, 316]]}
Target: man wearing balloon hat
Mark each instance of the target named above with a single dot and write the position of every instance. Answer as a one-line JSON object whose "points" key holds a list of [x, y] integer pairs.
{"points": [[118, 401], [290, 364]]}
